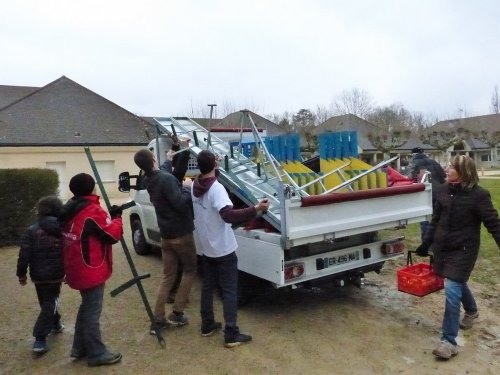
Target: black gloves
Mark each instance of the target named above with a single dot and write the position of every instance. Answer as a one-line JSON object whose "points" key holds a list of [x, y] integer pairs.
{"points": [[115, 211], [423, 250]]}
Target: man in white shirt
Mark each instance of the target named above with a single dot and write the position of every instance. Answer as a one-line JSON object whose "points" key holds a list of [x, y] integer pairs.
{"points": [[214, 214]]}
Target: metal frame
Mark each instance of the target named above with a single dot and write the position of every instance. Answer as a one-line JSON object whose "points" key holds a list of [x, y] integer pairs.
{"points": [[243, 177]]}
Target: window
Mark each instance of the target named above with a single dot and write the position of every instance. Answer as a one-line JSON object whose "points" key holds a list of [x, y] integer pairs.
{"points": [[106, 169], [485, 157]]}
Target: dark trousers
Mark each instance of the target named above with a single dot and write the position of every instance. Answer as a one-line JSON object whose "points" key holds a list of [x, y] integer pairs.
{"points": [[48, 298], [423, 228], [222, 273], [87, 338]]}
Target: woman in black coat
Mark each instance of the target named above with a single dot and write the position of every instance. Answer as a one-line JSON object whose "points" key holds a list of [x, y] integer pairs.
{"points": [[454, 238]]}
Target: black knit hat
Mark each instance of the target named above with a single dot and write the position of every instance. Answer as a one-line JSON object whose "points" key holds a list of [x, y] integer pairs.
{"points": [[417, 150], [82, 184]]}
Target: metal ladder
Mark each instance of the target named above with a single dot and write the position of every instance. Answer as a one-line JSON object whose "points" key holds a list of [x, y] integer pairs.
{"points": [[248, 180]]}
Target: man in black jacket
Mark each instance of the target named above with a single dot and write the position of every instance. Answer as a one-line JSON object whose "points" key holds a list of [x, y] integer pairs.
{"points": [[421, 162], [174, 213]]}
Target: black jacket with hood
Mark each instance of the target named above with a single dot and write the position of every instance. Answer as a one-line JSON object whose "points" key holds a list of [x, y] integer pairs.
{"points": [[172, 202], [41, 251], [438, 175], [455, 229]]}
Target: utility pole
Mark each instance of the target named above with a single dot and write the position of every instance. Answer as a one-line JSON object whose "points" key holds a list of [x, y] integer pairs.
{"points": [[210, 124]]}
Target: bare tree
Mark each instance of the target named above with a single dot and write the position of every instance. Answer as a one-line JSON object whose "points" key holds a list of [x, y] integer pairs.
{"points": [[397, 118], [198, 110], [419, 122], [462, 112], [395, 124], [495, 103], [354, 101], [442, 140], [385, 142], [304, 122], [304, 118], [284, 121], [222, 110], [322, 114]]}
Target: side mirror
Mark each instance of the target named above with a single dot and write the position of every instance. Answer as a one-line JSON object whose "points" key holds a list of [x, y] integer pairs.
{"points": [[124, 182]]}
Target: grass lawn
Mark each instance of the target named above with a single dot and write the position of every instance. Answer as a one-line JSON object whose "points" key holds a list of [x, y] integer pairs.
{"points": [[488, 265]]}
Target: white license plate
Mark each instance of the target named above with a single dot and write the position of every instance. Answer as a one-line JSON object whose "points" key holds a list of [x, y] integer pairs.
{"points": [[322, 263]]}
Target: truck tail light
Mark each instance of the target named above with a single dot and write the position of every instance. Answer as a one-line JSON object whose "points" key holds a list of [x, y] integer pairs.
{"points": [[293, 271], [393, 247]]}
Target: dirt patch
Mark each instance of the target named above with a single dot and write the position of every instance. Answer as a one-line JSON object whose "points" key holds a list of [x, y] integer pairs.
{"points": [[328, 330]]}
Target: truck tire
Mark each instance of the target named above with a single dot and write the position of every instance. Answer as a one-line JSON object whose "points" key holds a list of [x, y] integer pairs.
{"points": [[141, 247], [249, 287]]}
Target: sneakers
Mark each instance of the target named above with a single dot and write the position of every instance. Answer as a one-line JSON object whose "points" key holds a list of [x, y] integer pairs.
{"points": [[159, 324], [236, 340], [177, 319], [445, 350], [107, 358], [468, 320], [58, 328], [40, 346], [173, 319], [216, 326]]}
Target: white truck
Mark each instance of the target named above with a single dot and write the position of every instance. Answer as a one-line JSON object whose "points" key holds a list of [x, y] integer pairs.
{"points": [[304, 238]]}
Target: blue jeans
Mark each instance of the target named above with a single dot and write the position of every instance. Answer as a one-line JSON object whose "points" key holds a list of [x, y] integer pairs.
{"points": [[423, 227], [87, 338], [222, 273], [456, 293]]}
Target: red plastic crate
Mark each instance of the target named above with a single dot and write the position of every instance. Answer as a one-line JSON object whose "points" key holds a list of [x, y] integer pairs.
{"points": [[419, 280]]}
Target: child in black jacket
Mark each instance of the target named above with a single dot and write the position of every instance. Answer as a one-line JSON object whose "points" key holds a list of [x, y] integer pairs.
{"points": [[41, 251]]}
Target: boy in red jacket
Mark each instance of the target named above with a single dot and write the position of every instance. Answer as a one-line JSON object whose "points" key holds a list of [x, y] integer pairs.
{"points": [[89, 233]]}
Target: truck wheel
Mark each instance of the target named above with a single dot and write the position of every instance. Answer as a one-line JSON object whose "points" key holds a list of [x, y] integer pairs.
{"points": [[249, 286], [141, 247]]}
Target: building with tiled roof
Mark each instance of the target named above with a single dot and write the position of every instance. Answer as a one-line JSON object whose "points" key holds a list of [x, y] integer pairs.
{"points": [[483, 154], [367, 151], [47, 127], [234, 120], [11, 94]]}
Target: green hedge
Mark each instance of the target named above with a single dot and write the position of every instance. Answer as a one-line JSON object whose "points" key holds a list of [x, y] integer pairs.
{"points": [[20, 189]]}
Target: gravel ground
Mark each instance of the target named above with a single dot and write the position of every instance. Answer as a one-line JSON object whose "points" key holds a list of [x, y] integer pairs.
{"points": [[328, 330]]}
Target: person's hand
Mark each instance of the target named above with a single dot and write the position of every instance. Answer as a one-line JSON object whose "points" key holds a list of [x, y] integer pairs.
{"points": [[187, 183], [23, 281], [184, 142], [170, 155], [175, 140], [422, 250], [263, 205], [115, 211]]}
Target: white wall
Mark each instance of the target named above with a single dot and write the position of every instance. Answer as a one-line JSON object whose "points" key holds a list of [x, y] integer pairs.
{"points": [[68, 161]]}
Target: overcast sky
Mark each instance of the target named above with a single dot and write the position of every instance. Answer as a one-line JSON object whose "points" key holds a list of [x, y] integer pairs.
{"points": [[162, 57]]}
